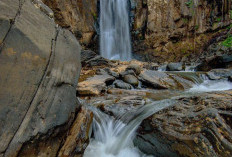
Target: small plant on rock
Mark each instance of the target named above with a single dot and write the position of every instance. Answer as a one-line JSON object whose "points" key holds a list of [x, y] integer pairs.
{"points": [[231, 14], [228, 41], [189, 3]]}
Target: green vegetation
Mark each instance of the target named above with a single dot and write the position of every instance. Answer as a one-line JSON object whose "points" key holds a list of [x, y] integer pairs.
{"points": [[185, 20], [218, 19], [230, 26], [230, 14], [228, 41], [189, 3], [196, 27], [94, 15]]}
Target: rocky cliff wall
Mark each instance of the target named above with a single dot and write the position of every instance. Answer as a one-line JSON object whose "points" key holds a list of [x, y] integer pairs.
{"points": [[177, 28], [78, 16], [162, 30]]}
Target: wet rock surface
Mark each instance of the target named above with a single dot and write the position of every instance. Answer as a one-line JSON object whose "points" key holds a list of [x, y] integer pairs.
{"points": [[157, 79], [122, 85], [131, 79], [119, 105], [195, 126], [221, 73], [164, 80], [175, 67], [101, 78]]}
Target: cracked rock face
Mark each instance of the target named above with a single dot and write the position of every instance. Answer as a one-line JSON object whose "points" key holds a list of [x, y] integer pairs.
{"points": [[40, 67]]}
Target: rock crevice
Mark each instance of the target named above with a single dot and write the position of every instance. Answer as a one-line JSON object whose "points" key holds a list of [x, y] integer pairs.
{"points": [[11, 23]]}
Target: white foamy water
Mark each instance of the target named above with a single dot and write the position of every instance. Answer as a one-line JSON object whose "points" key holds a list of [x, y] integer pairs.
{"points": [[113, 138], [115, 40], [107, 141], [210, 86]]}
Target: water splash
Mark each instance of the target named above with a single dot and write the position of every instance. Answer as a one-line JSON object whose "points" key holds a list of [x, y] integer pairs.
{"points": [[115, 40], [113, 138], [211, 86]]}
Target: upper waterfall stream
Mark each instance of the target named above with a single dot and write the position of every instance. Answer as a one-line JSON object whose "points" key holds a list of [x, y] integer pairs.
{"points": [[115, 40]]}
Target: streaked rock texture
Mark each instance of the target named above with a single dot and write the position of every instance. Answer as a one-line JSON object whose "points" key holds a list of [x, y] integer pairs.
{"points": [[40, 66], [165, 30], [196, 126], [162, 80]]}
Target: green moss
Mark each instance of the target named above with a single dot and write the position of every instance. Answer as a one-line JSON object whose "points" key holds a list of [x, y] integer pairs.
{"points": [[218, 19], [94, 15], [231, 14], [196, 27], [228, 41], [189, 3], [185, 20], [230, 26]]}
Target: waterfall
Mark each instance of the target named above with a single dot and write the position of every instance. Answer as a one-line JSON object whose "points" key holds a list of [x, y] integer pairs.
{"points": [[115, 40]]}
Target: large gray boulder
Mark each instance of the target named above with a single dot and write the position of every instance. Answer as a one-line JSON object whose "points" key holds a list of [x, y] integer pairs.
{"points": [[131, 79], [122, 85], [39, 70], [175, 67]]}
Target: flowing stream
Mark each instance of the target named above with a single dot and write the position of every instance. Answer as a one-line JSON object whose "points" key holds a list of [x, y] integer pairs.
{"points": [[113, 137], [115, 40], [210, 86]]}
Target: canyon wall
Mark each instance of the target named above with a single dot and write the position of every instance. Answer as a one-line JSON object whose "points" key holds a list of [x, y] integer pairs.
{"points": [[78, 16], [162, 30], [177, 28]]}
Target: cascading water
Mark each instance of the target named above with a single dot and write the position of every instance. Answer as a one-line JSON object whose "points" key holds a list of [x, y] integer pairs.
{"points": [[115, 40], [210, 86], [113, 138]]}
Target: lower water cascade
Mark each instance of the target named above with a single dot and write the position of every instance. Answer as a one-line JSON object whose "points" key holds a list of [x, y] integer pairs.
{"points": [[115, 42], [210, 86], [113, 137]]}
